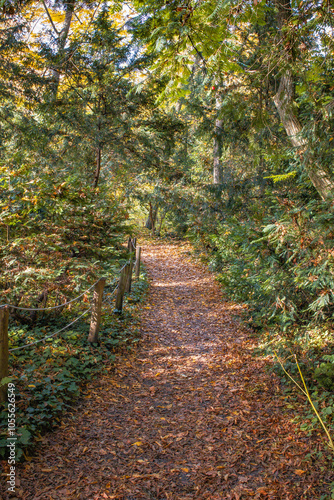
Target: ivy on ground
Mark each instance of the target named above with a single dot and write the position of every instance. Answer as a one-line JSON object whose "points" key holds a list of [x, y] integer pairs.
{"points": [[50, 376]]}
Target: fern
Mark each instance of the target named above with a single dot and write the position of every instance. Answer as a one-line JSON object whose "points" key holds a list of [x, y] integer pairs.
{"points": [[282, 177]]}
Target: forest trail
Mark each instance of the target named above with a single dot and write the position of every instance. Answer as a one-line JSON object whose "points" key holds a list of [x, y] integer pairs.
{"points": [[189, 415]]}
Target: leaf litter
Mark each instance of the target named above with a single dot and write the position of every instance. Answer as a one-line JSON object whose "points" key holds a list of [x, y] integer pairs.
{"points": [[189, 414]]}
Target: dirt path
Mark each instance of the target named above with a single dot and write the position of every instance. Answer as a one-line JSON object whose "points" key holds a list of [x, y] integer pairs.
{"points": [[191, 415]]}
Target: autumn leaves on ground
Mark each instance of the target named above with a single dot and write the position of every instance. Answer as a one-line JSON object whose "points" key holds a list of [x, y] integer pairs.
{"points": [[192, 414]]}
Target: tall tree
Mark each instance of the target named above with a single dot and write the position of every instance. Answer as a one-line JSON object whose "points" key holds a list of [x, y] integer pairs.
{"points": [[284, 98], [225, 35]]}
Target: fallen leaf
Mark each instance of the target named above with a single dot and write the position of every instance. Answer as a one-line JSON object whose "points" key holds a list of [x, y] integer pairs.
{"points": [[299, 472]]}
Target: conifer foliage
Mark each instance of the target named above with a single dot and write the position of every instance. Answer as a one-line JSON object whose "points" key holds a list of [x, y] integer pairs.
{"points": [[75, 135]]}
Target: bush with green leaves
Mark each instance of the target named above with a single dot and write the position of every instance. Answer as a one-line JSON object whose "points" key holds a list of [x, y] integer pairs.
{"points": [[284, 270], [324, 373], [58, 238]]}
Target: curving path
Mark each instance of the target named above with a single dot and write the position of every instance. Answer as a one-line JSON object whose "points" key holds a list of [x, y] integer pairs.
{"points": [[191, 415]]}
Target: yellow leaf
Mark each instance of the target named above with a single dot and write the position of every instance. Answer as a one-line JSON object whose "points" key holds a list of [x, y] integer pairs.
{"points": [[184, 469], [299, 472], [137, 443]]}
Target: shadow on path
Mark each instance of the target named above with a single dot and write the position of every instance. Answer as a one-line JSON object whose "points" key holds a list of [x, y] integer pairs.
{"points": [[190, 415]]}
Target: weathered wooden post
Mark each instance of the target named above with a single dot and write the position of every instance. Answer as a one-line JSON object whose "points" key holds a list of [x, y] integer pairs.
{"points": [[129, 244], [4, 313], [129, 278], [137, 268], [96, 312], [131, 248], [121, 288]]}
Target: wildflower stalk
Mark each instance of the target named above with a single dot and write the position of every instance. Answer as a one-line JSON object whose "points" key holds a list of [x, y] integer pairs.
{"points": [[307, 394]]}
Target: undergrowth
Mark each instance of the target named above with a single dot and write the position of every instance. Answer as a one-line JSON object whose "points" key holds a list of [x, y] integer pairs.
{"points": [[50, 376], [312, 349], [278, 263]]}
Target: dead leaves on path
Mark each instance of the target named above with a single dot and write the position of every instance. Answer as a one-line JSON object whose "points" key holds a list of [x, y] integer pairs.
{"points": [[191, 416]]}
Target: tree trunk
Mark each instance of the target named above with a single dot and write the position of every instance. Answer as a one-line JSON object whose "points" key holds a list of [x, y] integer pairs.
{"points": [[153, 216], [293, 128], [284, 104], [98, 167], [217, 152], [161, 221], [42, 298], [150, 223], [98, 147], [218, 145], [61, 42]]}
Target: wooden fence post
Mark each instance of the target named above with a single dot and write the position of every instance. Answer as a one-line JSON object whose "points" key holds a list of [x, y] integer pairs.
{"points": [[4, 313], [96, 312], [137, 268], [129, 244], [131, 249], [121, 288], [129, 278]]}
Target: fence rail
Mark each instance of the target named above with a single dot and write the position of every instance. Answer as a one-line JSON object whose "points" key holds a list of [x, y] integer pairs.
{"points": [[123, 286]]}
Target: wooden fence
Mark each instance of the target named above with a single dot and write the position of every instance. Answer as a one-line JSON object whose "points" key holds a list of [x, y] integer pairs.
{"points": [[124, 286]]}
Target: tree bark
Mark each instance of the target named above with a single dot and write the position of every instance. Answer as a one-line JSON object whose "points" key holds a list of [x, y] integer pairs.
{"points": [[150, 223], [217, 152], [283, 101], [162, 216], [218, 145], [98, 167], [61, 42]]}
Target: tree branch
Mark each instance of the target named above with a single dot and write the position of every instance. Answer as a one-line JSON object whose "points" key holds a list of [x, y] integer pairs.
{"points": [[50, 18]]}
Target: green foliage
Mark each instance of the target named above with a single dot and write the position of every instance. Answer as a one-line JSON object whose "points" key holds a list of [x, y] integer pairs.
{"points": [[324, 373], [59, 245], [51, 375], [285, 275]]}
